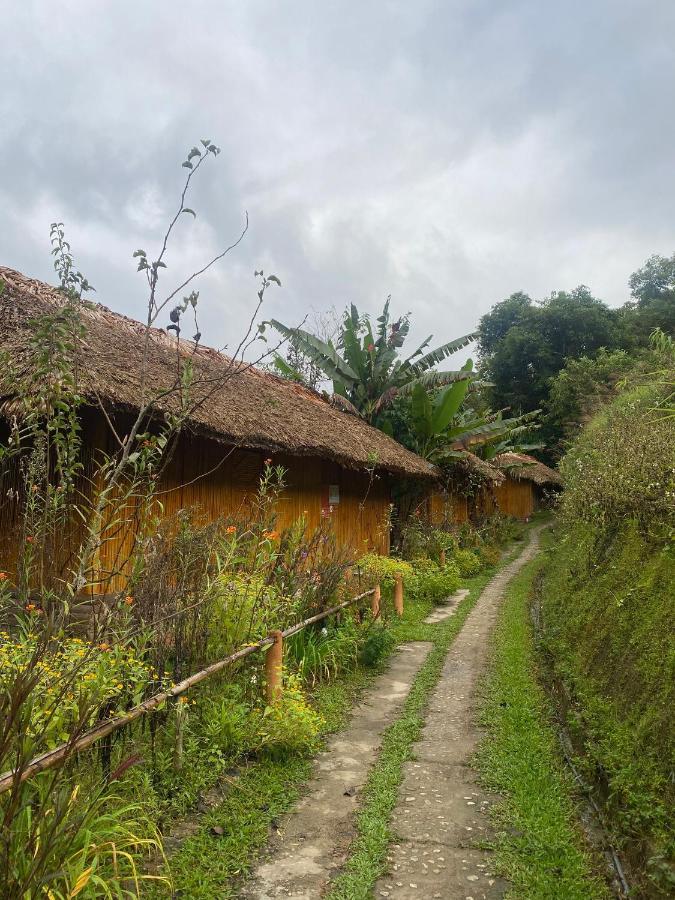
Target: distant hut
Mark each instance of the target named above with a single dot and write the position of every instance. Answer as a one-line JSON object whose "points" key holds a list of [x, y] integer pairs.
{"points": [[338, 467], [528, 485], [463, 496]]}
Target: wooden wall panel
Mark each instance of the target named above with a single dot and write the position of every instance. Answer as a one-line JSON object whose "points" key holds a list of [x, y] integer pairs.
{"points": [[515, 498], [447, 508], [213, 480]]}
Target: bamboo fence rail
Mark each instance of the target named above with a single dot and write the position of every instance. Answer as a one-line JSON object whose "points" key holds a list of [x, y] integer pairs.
{"points": [[61, 754]]}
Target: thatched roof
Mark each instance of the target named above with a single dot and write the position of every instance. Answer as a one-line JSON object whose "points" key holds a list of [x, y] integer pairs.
{"points": [[527, 468], [248, 407], [474, 465]]}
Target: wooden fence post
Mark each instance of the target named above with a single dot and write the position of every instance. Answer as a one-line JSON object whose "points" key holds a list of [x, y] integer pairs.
{"points": [[442, 559], [375, 601], [273, 665], [398, 595]]}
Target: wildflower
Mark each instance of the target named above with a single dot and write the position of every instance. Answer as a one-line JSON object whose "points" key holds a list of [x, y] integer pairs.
{"points": [[270, 535], [128, 600], [254, 679], [30, 607], [103, 647], [231, 529], [3, 576], [371, 347], [324, 632], [30, 539]]}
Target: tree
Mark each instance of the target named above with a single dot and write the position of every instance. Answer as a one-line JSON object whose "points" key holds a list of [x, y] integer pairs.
{"points": [[582, 386], [525, 344], [364, 363], [653, 291]]}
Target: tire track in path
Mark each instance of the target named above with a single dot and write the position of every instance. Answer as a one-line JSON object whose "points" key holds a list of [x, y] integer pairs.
{"points": [[441, 816]]}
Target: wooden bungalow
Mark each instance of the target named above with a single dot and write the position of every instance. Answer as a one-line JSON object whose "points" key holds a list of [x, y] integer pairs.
{"points": [[528, 485], [466, 497], [338, 468]]}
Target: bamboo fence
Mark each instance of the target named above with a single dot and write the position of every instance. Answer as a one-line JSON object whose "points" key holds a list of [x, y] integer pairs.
{"points": [[52, 758]]}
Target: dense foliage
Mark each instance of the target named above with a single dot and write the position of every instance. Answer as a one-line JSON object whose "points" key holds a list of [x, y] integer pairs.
{"points": [[524, 344], [608, 608]]}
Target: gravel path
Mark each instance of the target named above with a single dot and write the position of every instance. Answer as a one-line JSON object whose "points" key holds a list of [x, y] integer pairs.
{"points": [[313, 841], [441, 814]]}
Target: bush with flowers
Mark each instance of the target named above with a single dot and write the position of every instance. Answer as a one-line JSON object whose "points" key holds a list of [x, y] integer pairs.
{"points": [[74, 682]]}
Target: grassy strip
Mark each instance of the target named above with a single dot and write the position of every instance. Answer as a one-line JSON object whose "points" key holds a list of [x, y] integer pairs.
{"points": [[368, 857], [538, 846]]}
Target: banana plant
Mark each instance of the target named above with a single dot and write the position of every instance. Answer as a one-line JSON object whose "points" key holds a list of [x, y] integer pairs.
{"points": [[364, 364], [441, 432]]}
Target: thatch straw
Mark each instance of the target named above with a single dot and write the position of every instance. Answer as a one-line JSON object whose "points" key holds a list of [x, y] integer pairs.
{"points": [[526, 468], [250, 408]]}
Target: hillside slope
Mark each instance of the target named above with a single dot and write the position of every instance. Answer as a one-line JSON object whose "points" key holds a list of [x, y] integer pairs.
{"points": [[608, 606]]}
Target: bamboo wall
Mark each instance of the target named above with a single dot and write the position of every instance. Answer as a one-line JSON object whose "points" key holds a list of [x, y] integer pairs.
{"points": [[515, 498], [213, 480], [512, 497], [447, 508]]}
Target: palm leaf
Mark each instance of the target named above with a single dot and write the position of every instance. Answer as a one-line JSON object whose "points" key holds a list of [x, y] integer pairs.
{"points": [[440, 353], [418, 351], [322, 354], [432, 380], [285, 369], [420, 407], [447, 405]]}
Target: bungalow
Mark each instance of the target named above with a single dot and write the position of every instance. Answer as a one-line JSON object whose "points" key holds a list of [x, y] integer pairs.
{"points": [[527, 487], [337, 467]]}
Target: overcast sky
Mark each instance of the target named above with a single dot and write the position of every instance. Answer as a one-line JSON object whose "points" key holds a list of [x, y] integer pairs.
{"points": [[447, 153]]}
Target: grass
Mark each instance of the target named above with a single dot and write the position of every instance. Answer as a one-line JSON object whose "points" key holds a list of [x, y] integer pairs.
{"points": [[538, 845], [367, 860]]}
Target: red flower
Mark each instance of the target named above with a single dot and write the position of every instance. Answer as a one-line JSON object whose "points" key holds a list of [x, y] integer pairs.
{"points": [[371, 347]]}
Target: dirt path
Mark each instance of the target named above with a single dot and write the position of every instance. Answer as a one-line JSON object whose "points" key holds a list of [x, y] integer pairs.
{"points": [[312, 842], [441, 815]]}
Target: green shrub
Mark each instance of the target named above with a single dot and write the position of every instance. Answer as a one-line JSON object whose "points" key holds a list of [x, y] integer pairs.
{"points": [[324, 652], [289, 726], [608, 608], [467, 562], [378, 643], [383, 569], [225, 726], [431, 582], [489, 555]]}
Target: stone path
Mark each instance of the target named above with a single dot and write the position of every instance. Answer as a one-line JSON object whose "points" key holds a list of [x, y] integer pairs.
{"points": [[447, 608], [441, 814], [313, 841]]}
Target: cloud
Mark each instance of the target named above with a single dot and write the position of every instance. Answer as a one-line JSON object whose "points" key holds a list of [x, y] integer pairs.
{"points": [[448, 153]]}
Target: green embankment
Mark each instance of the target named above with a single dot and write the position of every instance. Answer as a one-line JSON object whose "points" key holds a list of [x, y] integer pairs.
{"points": [[608, 607], [538, 844]]}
